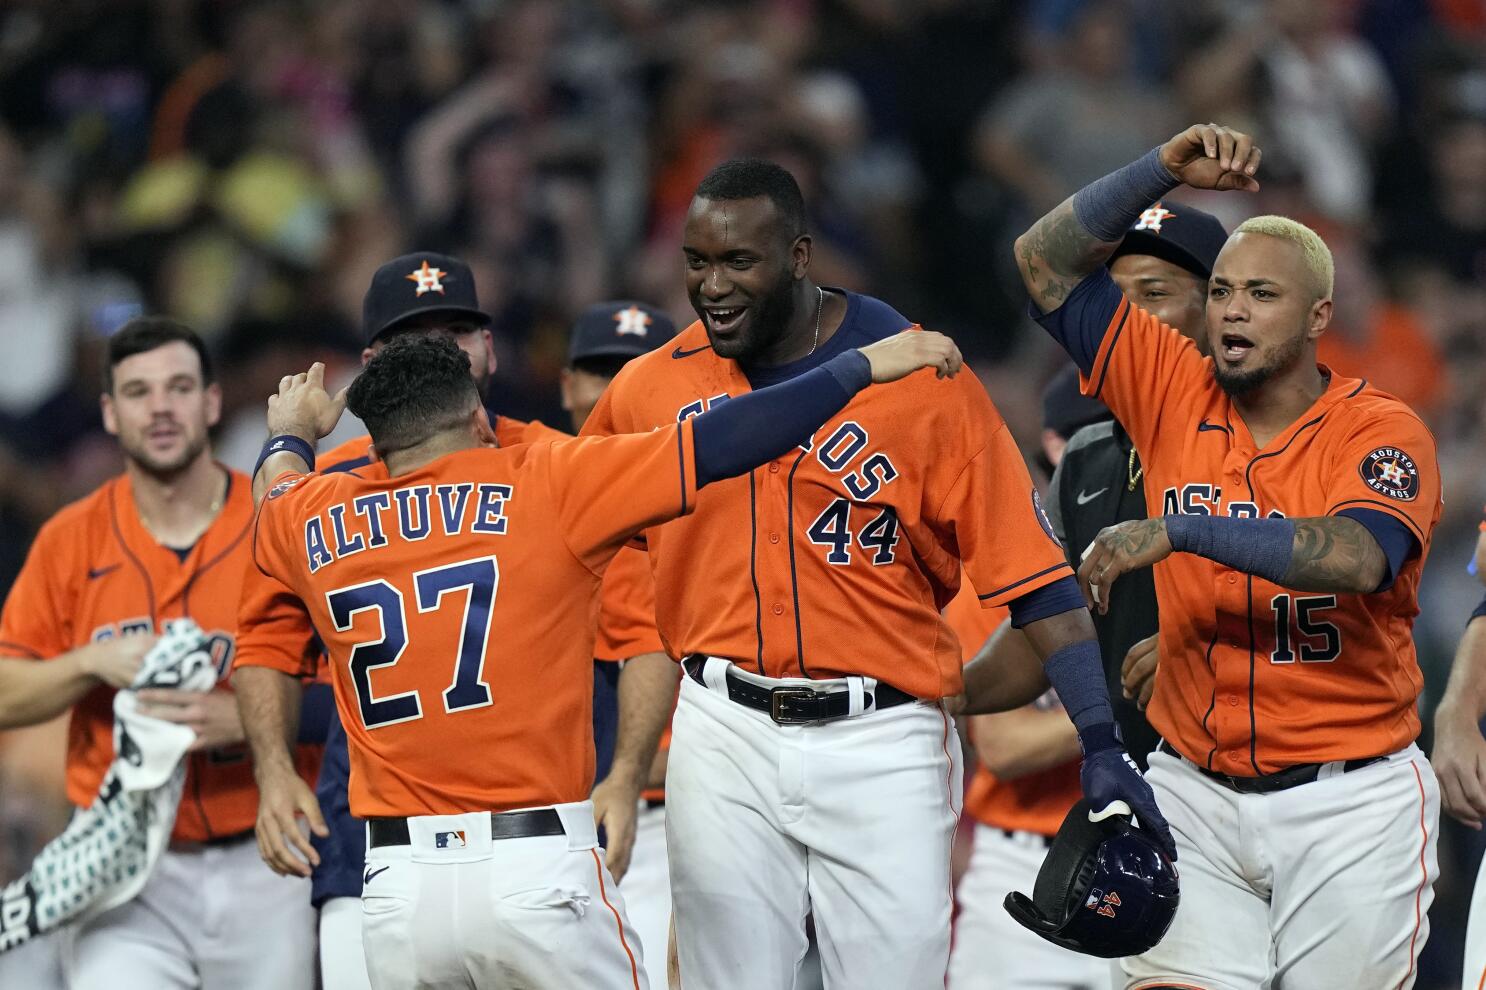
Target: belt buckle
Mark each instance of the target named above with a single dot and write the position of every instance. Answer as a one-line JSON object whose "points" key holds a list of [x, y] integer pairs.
{"points": [[777, 697]]}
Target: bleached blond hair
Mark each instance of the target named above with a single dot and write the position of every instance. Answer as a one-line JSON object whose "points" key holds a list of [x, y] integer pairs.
{"points": [[1314, 250]]}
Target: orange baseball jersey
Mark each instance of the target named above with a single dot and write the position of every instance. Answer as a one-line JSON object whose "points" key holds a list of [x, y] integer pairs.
{"points": [[274, 628], [468, 585], [95, 572], [1038, 801], [1256, 677], [836, 559]]}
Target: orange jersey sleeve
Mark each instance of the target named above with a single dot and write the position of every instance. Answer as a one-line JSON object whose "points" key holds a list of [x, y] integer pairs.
{"points": [[36, 622], [1387, 462], [608, 488], [1141, 364], [626, 626]]}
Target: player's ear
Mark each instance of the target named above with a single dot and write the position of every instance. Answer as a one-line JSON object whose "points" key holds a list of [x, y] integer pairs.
{"points": [[490, 361], [110, 415], [367, 354], [481, 428], [1319, 320], [565, 387], [213, 405], [800, 255]]}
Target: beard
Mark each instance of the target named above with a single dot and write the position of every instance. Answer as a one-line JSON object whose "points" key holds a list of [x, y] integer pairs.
{"points": [[1240, 383], [166, 469], [769, 320]]}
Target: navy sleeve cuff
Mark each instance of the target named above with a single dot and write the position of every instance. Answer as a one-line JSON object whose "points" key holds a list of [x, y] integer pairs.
{"points": [[1078, 325], [1397, 540], [1050, 599], [852, 369], [1480, 611]]}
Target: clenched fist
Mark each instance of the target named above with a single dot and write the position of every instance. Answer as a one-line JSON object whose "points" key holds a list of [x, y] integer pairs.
{"points": [[1208, 156]]}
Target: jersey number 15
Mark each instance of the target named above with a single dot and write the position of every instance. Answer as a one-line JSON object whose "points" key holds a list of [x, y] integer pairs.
{"points": [[468, 689]]}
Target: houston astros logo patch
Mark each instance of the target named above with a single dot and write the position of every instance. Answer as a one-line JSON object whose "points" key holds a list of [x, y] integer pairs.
{"points": [[427, 279], [1392, 473]]}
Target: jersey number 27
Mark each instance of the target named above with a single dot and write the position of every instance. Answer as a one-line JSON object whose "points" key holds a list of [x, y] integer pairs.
{"points": [[467, 689]]}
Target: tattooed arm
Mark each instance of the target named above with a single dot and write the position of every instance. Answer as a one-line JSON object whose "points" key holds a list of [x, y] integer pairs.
{"points": [[1056, 254], [1338, 554], [1080, 234]]}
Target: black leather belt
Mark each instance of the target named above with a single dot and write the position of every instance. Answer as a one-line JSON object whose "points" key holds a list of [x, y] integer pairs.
{"points": [[1268, 783], [506, 825], [790, 705], [1045, 841]]}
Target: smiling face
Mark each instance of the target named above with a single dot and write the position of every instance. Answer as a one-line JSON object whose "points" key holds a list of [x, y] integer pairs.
{"points": [[1265, 312], [160, 408], [741, 270]]}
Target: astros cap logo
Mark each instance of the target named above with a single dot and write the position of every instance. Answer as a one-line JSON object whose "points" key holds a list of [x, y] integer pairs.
{"points": [[633, 321], [1152, 218], [427, 279]]}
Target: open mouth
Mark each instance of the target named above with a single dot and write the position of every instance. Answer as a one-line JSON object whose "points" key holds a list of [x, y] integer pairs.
{"points": [[724, 320], [1234, 347]]}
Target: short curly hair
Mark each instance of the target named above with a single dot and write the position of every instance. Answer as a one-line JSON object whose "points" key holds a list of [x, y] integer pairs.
{"points": [[747, 178], [413, 388]]}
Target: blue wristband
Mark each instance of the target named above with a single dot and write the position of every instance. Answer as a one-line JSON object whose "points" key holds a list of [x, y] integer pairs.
{"points": [[1076, 672], [1107, 207], [287, 442], [1262, 547]]}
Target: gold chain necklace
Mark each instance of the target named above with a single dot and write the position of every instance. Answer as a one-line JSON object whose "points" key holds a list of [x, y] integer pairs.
{"points": [[1134, 470]]}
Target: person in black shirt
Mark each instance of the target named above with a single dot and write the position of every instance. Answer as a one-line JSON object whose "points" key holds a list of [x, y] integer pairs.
{"points": [[1162, 265]]}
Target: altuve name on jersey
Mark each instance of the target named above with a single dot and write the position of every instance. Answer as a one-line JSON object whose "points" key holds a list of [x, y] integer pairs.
{"points": [[372, 521]]}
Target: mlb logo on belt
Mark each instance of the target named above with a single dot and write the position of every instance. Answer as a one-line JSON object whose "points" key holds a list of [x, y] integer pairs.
{"points": [[449, 840]]}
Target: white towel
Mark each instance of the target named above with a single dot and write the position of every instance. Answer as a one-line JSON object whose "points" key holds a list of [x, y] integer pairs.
{"points": [[109, 848]]}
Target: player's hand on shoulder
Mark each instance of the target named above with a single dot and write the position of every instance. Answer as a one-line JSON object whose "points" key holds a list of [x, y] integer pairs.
{"points": [[1119, 550], [1210, 156], [904, 353], [1459, 761], [1138, 672], [116, 661], [303, 407]]}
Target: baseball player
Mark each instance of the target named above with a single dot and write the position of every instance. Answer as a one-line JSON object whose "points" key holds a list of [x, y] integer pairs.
{"points": [[1459, 760], [421, 294], [814, 765], [461, 546], [166, 539], [1291, 510], [605, 337]]}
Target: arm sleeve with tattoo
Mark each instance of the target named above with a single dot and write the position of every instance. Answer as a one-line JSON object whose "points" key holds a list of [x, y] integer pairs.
{"points": [[1342, 554]]}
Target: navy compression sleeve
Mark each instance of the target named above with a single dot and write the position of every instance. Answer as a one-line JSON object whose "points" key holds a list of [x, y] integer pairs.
{"points": [[1063, 595], [1079, 324], [736, 436]]}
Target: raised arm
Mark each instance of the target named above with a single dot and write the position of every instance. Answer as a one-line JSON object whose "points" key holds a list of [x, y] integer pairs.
{"points": [[1060, 250], [300, 415]]}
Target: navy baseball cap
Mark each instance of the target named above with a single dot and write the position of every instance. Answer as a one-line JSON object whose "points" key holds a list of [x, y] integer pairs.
{"points": [[1181, 234], [416, 284], [624, 328], [1066, 410]]}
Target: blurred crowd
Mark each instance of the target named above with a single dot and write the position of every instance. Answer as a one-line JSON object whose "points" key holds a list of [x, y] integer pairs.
{"points": [[245, 165]]}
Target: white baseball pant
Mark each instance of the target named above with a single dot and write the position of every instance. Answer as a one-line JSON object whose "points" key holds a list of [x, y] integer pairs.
{"points": [[1327, 884], [647, 890], [37, 965], [852, 818], [210, 916], [1473, 976], [535, 912], [342, 958], [992, 951]]}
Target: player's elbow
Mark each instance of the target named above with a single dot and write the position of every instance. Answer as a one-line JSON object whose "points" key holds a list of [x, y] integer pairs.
{"points": [[1021, 247]]}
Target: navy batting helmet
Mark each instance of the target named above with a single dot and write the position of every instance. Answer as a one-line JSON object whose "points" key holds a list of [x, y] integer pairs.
{"points": [[1105, 889]]}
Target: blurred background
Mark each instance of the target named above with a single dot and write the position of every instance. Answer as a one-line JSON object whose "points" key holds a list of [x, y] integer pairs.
{"points": [[244, 165]]}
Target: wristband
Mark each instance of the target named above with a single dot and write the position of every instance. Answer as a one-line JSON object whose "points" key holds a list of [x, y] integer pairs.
{"points": [[1107, 207], [1262, 547], [287, 443]]}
